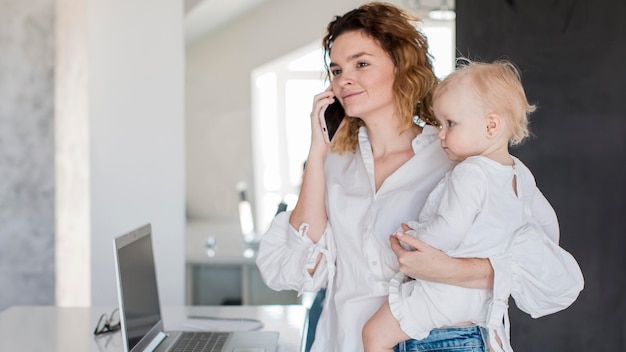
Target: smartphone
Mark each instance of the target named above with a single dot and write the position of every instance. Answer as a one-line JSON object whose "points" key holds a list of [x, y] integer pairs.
{"points": [[333, 116]]}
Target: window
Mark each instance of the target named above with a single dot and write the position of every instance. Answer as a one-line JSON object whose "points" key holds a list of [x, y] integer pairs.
{"points": [[282, 98]]}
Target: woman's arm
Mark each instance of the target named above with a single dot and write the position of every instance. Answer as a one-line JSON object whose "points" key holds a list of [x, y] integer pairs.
{"points": [[542, 277], [310, 210], [285, 254], [430, 264], [311, 207]]}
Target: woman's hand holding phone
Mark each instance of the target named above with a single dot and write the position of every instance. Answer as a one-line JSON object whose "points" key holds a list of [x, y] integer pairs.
{"points": [[333, 116], [330, 112], [319, 130]]}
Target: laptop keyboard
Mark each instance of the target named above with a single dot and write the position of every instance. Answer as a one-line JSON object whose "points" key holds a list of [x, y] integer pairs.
{"points": [[201, 342]]}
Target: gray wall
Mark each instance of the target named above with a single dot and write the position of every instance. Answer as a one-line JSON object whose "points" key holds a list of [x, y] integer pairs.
{"points": [[572, 57], [26, 152]]}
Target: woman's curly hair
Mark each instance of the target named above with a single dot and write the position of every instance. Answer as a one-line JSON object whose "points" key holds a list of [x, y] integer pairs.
{"points": [[394, 29]]}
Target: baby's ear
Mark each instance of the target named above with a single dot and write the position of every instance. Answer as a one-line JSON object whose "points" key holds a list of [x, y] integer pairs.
{"points": [[494, 125]]}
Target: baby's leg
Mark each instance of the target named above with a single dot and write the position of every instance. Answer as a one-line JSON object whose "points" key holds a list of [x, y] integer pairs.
{"points": [[382, 331]]}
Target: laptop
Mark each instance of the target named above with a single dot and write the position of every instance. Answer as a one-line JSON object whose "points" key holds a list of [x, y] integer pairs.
{"points": [[140, 313]]}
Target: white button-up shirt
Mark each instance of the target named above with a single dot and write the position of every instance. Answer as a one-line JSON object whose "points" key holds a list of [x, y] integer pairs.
{"points": [[358, 261]]}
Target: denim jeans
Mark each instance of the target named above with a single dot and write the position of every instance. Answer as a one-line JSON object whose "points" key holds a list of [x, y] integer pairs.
{"points": [[458, 339]]}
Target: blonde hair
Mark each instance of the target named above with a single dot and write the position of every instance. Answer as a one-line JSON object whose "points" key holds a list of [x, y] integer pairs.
{"points": [[499, 86], [393, 29]]}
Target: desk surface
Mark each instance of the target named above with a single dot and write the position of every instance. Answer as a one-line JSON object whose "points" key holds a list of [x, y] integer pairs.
{"points": [[68, 329]]}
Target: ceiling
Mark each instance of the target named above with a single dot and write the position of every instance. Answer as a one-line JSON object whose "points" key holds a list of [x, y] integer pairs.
{"points": [[204, 16]]}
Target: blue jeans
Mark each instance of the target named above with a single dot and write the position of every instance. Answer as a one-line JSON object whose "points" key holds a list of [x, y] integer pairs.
{"points": [[458, 339], [314, 317]]}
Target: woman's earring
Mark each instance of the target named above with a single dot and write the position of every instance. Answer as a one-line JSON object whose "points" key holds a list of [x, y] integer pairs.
{"points": [[419, 122], [416, 118]]}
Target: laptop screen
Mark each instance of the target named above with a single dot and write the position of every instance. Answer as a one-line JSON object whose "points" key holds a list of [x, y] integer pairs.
{"points": [[139, 304]]}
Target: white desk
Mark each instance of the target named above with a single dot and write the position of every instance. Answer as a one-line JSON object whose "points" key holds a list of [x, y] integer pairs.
{"points": [[63, 329]]}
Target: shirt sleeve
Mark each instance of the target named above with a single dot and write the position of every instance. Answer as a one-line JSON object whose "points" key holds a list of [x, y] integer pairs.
{"points": [[285, 255], [542, 277], [462, 199], [543, 215]]}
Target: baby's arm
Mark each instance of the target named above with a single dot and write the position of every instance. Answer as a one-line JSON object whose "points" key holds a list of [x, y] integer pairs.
{"points": [[452, 207], [382, 332]]}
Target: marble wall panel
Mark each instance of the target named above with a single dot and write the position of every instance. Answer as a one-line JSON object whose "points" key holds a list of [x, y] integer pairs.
{"points": [[26, 152]]}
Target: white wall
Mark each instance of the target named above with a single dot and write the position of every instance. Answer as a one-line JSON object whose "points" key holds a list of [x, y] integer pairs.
{"points": [[218, 97], [136, 89], [134, 72], [71, 118]]}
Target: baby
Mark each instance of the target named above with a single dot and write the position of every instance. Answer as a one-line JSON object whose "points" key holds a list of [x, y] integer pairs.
{"points": [[475, 209]]}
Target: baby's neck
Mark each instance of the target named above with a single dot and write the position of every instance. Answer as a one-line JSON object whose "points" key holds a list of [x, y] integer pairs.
{"points": [[500, 155]]}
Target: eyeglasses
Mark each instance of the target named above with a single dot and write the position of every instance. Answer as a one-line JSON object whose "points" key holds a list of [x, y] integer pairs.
{"points": [[108, 342], [108, 324]]}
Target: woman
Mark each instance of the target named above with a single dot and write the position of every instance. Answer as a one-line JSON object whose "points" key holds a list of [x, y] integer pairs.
{"points": [[375, 174]]}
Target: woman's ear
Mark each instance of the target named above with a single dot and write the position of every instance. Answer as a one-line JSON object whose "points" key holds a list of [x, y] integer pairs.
{"points": [[494, 125]]}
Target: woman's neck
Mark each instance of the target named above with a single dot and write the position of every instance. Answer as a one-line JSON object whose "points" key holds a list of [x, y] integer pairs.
{"points": [[387, 139], [390, 149]]}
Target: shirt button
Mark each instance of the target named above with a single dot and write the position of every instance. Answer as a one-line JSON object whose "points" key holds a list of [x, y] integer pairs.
{"points": [[373, 263], [383, 285]]}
